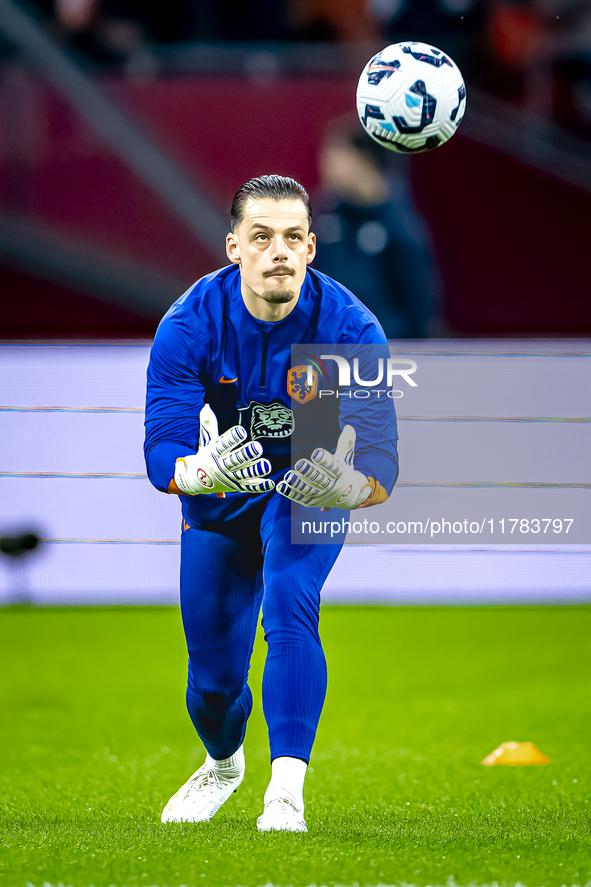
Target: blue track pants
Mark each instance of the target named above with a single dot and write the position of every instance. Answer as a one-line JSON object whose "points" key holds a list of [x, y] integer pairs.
{"points": [[226, 575]]}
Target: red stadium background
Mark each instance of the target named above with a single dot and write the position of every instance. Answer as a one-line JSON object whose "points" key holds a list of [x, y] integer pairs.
{"points": [[510, 239]]}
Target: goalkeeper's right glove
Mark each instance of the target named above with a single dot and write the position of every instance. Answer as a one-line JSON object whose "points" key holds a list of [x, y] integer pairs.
{"points": [[220, 464]]}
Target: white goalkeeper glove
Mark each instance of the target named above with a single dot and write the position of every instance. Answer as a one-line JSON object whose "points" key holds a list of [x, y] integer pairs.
{"points": [[328, 481], [220, 464]]}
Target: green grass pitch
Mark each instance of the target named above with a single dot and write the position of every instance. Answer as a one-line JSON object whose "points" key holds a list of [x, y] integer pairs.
{"points": [[94, 738]]}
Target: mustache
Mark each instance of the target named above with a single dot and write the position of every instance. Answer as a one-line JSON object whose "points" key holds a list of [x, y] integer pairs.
{"points": [[279, 269]]}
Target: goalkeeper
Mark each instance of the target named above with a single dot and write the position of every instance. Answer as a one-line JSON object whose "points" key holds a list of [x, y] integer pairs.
{"points": [[222, 402]]}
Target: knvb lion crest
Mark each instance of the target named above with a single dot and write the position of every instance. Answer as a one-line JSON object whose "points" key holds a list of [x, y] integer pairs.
{"points": [[298, 383], [267, 420]]}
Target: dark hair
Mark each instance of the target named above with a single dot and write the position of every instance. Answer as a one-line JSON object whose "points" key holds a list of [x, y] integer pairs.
{"points": [[275, 187]]}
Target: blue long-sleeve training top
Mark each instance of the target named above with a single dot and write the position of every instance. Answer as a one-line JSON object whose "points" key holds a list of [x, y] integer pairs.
{"points": [[209, 349]]}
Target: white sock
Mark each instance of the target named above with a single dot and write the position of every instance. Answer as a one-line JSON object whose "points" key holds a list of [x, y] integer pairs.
{"points": [[287, 776], [231, 767]]}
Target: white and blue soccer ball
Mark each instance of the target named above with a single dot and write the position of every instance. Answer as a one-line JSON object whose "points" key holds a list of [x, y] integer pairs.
{"points": [[411, 97]]}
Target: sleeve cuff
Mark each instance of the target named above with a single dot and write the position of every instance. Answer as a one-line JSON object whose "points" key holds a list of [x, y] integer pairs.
{"points": [[161, 461], [381, 466]]}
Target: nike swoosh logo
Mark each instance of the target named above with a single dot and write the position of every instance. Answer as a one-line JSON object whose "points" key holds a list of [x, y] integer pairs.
{"points": [[227, 381]]}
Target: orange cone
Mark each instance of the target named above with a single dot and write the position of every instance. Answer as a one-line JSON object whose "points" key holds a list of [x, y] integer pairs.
{"points": [[515, 754]]}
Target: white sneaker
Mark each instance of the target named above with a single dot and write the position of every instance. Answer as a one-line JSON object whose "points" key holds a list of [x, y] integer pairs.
{"points": [[282, 815], [203, 794]]}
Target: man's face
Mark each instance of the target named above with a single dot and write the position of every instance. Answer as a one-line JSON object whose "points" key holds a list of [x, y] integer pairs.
{"points": [[272, 245], [351, 175]]}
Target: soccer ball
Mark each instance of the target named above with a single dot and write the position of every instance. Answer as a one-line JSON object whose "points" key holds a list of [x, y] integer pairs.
{"points": [[411, 97]]}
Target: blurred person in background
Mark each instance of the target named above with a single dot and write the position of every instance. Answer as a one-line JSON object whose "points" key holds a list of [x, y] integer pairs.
{"points": [[332, 20], [103, 28], [109, 33], [370, 235], [456, 26], [543, 48]]}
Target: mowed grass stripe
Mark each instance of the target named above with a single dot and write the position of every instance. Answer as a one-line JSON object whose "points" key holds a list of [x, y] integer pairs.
{"points": [[94, 738]]}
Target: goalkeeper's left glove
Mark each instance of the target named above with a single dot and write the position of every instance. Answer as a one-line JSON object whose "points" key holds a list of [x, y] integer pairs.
{"points": [[331, 481]]}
